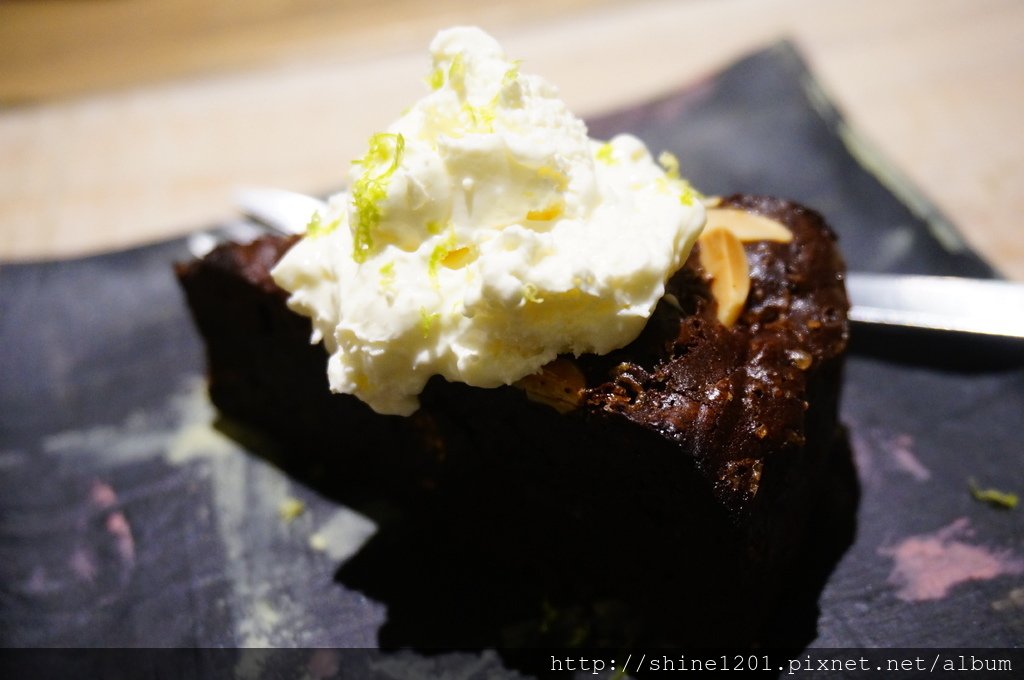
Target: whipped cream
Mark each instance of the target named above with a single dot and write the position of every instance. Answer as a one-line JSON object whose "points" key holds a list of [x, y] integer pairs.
{"points": [[484, 233]]}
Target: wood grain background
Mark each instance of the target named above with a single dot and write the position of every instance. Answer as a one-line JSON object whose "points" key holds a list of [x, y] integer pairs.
{"points": [[127, 121]]}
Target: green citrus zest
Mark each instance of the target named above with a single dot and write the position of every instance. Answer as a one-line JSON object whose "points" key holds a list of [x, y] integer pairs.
{"points": [[477, 118], [315, 224], [436, 79], [369, 191], [289, 509], [316, 227], [605, 154], [481, 118], [687, 194], [441, 251], [427, 321], [457, 74], [530, 293], [511, 74], [669, 161], [1000, 499], [387, 274]]}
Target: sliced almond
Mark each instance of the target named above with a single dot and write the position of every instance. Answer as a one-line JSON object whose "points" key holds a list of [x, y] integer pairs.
{"points": [[722, 257], [748, 226], [558, 384]]}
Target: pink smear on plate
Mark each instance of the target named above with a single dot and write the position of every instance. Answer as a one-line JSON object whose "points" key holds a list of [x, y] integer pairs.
{"points": [[101, 495], [83, 564], [927, 566], [879, 451], [119, 528]]}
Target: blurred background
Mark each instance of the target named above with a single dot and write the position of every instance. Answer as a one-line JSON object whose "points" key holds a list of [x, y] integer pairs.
{"points": [[123, 122]]}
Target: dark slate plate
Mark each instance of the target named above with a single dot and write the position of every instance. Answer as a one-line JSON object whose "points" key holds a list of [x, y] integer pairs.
{"points": [[127, 520]]}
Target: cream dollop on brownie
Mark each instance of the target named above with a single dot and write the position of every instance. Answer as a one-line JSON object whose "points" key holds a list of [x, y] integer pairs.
{"points": [[484, 234]]}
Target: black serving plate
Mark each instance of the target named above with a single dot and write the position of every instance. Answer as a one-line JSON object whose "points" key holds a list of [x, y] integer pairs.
{"points": [[128, 520]]}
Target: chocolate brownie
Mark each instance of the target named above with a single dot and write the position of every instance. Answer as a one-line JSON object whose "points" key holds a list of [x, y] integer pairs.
{"points": [[677, 475]]}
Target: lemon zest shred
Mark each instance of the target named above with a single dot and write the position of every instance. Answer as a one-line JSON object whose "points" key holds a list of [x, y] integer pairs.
{"points": [[436, 79], [668, 160], [316, 227], [440, 252], [457, 74], [688, 196], [605, 154], [427, 321], [530, 293], [1000, 499], [387, 274], [481, 118], [512, 73], [370, 189], [289, 509]]}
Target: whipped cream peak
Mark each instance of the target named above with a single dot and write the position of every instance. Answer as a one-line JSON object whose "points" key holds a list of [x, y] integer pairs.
{"points": [[484, 233]]}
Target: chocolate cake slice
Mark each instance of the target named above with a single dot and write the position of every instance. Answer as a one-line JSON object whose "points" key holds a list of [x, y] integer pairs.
{"points": [[672, 482]]}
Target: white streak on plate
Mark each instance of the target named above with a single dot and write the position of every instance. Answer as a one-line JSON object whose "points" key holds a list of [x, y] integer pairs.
{"points": [[341, 536]]}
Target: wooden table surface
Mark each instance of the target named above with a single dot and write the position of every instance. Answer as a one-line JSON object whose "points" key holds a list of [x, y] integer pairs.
{"points": [[127, 121]]}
